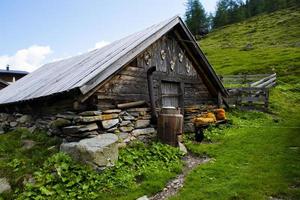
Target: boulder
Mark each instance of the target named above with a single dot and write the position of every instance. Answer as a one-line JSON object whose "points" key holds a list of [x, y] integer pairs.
{"points": [[81, 128], [90, 113], [107, 124], [142, 123], [112, 111], [126, 128], [144, 131], [99, 151], [4, 185]]}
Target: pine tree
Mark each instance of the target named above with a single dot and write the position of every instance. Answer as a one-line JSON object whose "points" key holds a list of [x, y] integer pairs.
{"points": [[196, 18], [221, 18]]}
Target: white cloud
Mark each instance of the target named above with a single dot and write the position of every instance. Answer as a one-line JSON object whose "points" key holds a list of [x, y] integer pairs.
{"points": [[26, 59], [99, 45]]}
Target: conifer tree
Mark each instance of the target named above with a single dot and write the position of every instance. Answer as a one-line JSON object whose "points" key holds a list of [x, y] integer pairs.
{"points": [[196, 18]]}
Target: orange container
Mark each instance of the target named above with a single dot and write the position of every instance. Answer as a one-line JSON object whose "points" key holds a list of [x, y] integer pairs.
{"points": [[220, 114]]}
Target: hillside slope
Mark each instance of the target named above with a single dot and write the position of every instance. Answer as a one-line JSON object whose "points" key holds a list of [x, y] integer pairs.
{"points": [[258, 45]]}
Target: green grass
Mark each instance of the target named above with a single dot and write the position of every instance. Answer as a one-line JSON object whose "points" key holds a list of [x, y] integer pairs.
{"points": [[275, 45], [259, 155], [253, 159], [17, 163]]}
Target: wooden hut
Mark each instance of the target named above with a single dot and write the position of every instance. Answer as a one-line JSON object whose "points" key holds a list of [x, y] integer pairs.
{"points": [[161, 65]]}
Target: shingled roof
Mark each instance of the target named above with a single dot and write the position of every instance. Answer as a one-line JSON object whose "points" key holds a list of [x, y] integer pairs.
{"points": [[86, 71]]}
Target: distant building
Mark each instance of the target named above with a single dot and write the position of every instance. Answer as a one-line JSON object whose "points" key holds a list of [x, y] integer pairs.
{"points": [[3, 84], [11, 76]]}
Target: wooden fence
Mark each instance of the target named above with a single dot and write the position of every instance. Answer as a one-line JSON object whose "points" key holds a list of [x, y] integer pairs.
{"points": [[249, 91]]}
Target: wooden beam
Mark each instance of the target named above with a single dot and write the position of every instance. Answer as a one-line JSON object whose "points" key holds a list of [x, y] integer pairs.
{"points": [[131, 104]]}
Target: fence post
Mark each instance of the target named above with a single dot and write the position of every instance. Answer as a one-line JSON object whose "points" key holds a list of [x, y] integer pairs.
{"points": [[267, 93]]}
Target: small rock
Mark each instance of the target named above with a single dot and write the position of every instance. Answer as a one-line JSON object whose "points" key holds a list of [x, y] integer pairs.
{"points": [[128, 118], [82, 128], [88, 119], [25, 119], [142, 123], [112, 111], [122, 145], [112, 130], [109, 116], [32, 129], [135, 114], [13, 124], [126, 128], [28, 179], [4, 185], [3, 117], [143, 198], [66, 116], [107, 124], [27, 144], [60, 122], [18, 115], [182, 148], [123, 135], [1, 131], [90, 113], [144, 131], [125, 123]]}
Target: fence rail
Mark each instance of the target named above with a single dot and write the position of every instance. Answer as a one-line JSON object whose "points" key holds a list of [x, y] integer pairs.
{"points": [[249, 91]]}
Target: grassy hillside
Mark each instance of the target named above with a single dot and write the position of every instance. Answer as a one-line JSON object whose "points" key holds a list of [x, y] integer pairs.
{"points": [[258, 157], [258, 45]]}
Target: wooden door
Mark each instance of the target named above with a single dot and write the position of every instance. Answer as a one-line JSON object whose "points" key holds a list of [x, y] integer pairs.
{"points": [[170, 94]]}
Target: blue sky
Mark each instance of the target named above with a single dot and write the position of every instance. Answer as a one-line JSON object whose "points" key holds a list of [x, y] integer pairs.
{"points": [[34, 32]]}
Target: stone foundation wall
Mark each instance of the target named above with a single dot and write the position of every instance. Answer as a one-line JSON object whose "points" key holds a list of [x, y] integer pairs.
{"points": [[127, 124]]}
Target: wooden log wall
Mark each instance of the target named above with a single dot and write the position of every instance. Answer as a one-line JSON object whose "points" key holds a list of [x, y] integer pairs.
{"points": [[172, 66]]}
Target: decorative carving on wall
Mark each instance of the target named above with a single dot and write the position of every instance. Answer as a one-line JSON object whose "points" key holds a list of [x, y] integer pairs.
{"points": [[147, 58], [188, 67], [180, 56], [163, 54], [172, 63]]}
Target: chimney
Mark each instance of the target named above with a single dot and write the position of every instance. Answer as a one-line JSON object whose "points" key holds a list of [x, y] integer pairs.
{"points": [[7, 67]]}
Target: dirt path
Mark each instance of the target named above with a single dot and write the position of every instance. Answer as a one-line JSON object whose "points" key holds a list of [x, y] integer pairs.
{"points": [[172, 187]]}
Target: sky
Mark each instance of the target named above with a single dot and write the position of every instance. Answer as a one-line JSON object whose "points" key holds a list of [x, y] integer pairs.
{"points": [[34, 32]]}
